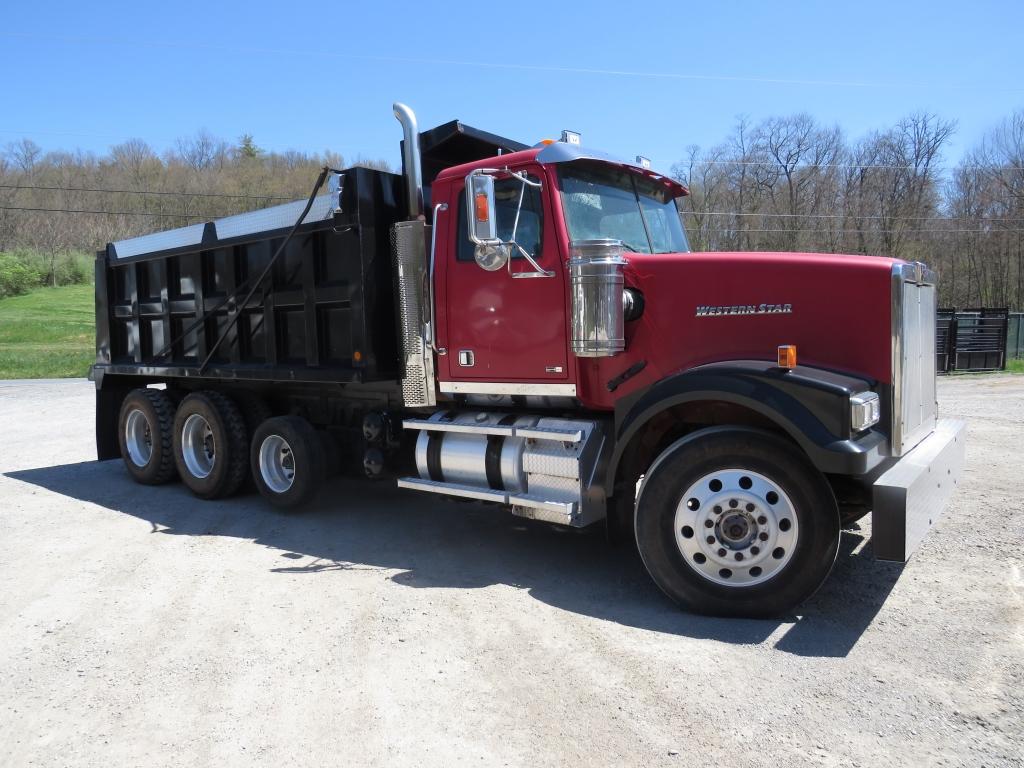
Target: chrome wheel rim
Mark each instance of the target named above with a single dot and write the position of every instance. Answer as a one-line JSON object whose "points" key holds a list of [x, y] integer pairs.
{"points": [[198, 448], [277, 463], [138, 438], [736, 528]]}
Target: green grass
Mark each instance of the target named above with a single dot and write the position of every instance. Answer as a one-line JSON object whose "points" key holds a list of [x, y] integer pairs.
{"points": [[48, 333], [1015, 366]]}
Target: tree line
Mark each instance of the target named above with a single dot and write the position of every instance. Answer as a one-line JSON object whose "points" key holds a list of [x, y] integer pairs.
{"points": [[56, 202], [784, 183], [794, 184]]}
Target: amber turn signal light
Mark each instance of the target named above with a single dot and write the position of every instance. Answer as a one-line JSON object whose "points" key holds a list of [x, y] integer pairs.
{"points": [[482, 214], [787, 356]]}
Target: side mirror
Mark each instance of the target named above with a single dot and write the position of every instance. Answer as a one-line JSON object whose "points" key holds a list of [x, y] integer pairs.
{"points": [[483, 221], [489, 252]]}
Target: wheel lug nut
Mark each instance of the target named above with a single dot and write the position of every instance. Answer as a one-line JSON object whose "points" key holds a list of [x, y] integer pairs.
{"points": [[739, 555], [755, 550], [709, 523], [761, 520], [750, 507], [733, 503], [763, 537], [718, 510], [710, 539], [721, 552]]}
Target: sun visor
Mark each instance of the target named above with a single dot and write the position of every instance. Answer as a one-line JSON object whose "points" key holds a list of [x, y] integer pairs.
{"points": [[562, 152]]}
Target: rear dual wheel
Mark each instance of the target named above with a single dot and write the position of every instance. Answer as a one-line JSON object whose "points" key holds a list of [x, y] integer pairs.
{"points": [[736, 522], [211, 444], [144, 434], [288, 461]]}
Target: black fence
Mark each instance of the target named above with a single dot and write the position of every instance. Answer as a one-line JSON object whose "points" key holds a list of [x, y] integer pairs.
{"points": [[972, 339]]}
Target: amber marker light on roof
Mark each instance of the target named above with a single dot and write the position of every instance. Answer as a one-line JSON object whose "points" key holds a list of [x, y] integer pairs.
{"points": [[787, 356]]}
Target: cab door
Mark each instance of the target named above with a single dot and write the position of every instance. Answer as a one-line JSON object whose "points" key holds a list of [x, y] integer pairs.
{"points": [[501, 328]]}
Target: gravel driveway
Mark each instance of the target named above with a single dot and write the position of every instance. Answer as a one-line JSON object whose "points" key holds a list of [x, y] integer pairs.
{"points": [[140, 626]]}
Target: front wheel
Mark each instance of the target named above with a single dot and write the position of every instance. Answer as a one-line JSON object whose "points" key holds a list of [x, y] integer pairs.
{"points": [[735, 521]]}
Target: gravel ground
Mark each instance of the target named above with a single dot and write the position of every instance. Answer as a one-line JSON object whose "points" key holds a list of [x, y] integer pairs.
{"points": [[139, 626]]}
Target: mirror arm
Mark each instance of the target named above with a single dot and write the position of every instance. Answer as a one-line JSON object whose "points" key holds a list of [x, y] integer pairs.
{"points": [[539, 271]]}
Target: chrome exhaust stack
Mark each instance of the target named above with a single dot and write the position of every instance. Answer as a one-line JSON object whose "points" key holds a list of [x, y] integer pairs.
{"points": [[411, 159]]}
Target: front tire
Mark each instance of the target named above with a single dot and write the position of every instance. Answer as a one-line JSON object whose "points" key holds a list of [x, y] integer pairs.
{"points": [[735, 521]]}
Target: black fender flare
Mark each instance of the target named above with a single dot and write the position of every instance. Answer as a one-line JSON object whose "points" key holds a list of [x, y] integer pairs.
{"points": [[810, 405]]}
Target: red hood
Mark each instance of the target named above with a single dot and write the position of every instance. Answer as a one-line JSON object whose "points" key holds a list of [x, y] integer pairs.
{"points": [[709, 307]]}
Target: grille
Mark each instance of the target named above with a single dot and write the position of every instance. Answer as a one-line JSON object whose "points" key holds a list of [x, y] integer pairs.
{"points": [[914, 317], [408, 240]]}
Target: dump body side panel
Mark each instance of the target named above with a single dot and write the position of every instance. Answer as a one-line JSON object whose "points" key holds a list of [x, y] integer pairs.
{"points": [[325, 312]]}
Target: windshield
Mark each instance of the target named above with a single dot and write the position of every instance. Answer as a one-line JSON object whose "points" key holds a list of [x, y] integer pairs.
{"points": [[602, 200]]}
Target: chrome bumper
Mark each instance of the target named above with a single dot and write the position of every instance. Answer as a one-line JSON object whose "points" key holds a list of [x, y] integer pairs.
{"points": [[911, 495]]}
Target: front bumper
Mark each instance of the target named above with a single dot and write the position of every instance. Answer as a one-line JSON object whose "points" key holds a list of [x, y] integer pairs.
{"points": [[911, 495]]}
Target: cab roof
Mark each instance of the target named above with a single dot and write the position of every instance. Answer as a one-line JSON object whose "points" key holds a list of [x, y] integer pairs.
{"points": [[561, 152]]}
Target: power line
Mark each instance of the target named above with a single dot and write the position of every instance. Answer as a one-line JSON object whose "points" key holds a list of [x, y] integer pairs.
{"points": [[108, 213], [857, 166], [935, 231], [854, 216], [144, 192]]}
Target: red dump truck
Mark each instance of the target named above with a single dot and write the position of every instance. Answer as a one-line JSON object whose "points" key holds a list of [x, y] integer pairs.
{"points": [[527, 326]]}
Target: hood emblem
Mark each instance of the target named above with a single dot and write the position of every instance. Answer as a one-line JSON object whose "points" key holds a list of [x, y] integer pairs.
{"points": [[744, 309]]}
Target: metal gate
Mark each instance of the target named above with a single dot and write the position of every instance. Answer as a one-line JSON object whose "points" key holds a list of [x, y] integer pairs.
{"points": [[971, 339]]}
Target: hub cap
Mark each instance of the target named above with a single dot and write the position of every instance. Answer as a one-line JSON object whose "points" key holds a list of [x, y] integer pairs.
{"points": [[138, 438], [277, 464], [736, 528], [198, 448]]}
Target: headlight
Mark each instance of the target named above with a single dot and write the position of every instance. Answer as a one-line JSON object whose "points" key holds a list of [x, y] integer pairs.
{"points": [[865, 410]]}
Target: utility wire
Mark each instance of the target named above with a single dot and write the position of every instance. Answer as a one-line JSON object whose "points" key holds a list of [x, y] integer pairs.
{"points": [[107, 213], [854, 166], [936, 230], [852, 216], [144, 192]]}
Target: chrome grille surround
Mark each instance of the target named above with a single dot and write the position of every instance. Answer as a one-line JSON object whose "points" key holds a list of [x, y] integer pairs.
{"points": [[913, 406]]}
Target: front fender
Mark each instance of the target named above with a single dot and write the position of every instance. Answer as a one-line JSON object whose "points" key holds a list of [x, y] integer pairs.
{"points": [[811, 405]]}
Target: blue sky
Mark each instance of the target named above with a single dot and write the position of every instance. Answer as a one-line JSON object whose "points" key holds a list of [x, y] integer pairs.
{"points": [[323, 75]]}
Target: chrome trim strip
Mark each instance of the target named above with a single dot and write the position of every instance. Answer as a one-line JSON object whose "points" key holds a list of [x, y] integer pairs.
{"points": [[564, 510], [426, 425], [546, 433], [431, 332], [527, 433], [505, 388], [453, 489], [896, 402]]}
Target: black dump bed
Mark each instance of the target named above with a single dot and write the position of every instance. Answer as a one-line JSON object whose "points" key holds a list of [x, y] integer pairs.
{"points": [[326, 311]]}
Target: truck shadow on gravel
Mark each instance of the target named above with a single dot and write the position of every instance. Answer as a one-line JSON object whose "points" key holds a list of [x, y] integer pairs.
{"points": [[438, 544]]}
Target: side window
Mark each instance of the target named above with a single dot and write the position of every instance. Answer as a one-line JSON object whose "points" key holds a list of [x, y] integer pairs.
{"points": [[506, 199]]}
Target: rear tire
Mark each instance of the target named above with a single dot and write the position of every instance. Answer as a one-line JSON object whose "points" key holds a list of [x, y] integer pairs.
{"points": [[144, 431], [736, 522], [287, 461], [210, 445]]}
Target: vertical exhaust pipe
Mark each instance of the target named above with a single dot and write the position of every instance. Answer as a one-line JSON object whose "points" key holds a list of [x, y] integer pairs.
{"points": [[411, 159]]}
